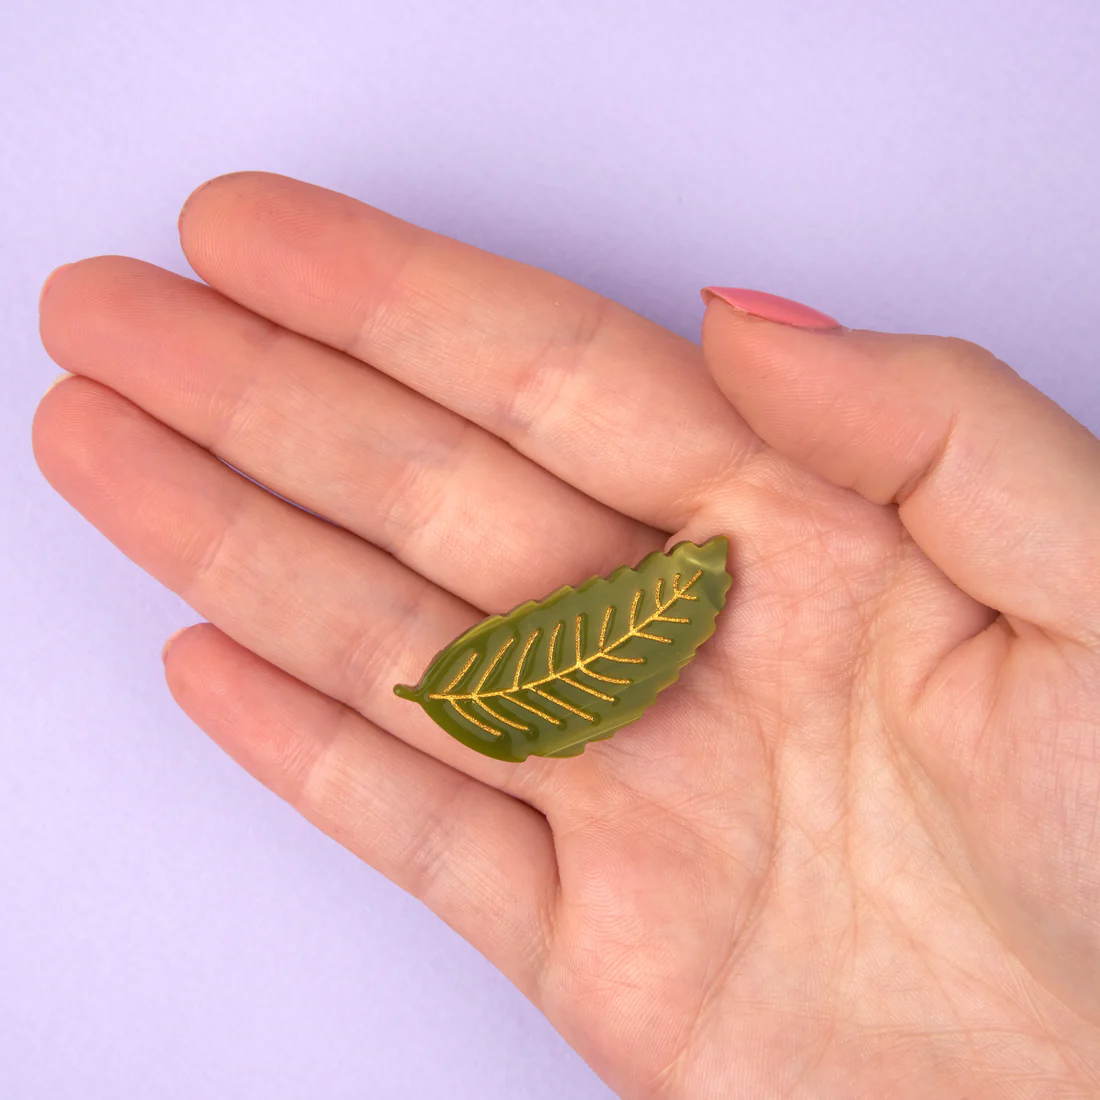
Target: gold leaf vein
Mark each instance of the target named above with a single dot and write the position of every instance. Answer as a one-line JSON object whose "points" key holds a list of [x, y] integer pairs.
{"points": [[476, 721], [500, 717], [591, 691], [562, 703], [603, 629], [550, 651], [606, 679], [493, 664], [581, 663], [522, 658], [534, 710], [465, 668]]}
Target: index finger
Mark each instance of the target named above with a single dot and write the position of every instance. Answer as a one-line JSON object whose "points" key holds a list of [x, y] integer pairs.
{"points": [[608, 401]]}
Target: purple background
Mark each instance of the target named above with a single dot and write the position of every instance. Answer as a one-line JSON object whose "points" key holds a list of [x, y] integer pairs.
{"points": [[167, 927]]}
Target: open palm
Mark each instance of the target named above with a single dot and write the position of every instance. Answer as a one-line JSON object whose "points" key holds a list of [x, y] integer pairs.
{"points": [[854, 851]]}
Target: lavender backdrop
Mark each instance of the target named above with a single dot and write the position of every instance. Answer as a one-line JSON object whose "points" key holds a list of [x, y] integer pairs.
{"points": [[167, 928]]}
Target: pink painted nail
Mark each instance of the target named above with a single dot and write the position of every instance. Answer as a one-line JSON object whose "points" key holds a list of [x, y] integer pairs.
{"points": [[770, 306]]}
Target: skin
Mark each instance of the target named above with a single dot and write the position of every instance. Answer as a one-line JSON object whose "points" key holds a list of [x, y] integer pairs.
{"points": [[855, 851]]}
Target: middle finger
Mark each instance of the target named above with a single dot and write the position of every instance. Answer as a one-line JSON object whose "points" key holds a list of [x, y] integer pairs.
{"points": [[312, 599], [444, 496]]}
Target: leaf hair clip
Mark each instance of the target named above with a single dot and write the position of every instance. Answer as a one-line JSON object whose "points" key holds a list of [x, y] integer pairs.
{"points": [[552, 675]]}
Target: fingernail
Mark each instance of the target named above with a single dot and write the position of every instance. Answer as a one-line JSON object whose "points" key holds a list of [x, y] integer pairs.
{"points": [[770, 307], [60, 378], [49, 281], [171, 639], [191, 198]]}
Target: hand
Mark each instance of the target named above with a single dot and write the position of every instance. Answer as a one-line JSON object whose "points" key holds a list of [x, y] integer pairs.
{"points": [[854, 851]]}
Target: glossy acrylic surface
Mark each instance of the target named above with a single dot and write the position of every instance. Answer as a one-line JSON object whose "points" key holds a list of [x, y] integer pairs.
{"points": [[553, 675]]}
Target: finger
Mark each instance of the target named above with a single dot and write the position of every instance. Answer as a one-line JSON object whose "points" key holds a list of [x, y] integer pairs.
{"points": [[446, 497], [309, 597], [606, 400], [998, 485], [479, 859]]}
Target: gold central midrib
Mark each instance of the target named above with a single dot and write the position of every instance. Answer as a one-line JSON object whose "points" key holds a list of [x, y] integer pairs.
{"points": [[631, 633]]}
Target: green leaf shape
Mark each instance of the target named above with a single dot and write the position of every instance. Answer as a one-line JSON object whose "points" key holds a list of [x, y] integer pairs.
{"points": [[553, 675]]}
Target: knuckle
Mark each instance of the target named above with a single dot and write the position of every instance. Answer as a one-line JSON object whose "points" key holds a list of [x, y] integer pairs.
{"points": [[541, 384], [427, 856], [374, 655], [361, 668], [423, 488], [964, 355]]}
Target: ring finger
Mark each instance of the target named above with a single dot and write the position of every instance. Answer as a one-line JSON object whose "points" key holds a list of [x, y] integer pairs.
{"points": [[311, 598]]}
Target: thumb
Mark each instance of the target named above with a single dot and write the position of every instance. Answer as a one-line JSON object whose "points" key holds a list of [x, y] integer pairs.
{"points": [[997, 484]]}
